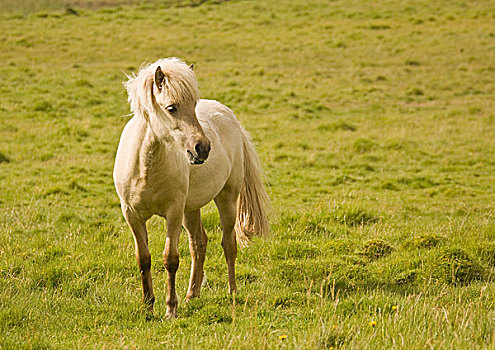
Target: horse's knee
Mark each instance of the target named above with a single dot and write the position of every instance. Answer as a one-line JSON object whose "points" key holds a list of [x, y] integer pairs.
{"points": [[171, 263]]}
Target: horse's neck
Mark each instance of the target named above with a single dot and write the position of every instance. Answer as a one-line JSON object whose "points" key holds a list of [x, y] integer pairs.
{"points": [[158, 149]]}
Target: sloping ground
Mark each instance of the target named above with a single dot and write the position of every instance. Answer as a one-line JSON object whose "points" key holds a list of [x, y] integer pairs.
{"points": [[375, 125]]}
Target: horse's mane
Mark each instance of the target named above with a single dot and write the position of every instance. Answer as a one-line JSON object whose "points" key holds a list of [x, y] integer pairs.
{"points": [[180, 85]]}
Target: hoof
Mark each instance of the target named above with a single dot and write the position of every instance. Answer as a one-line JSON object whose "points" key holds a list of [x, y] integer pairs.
{"points": [[149, 312], [150, 316], [191, 296], [170, 315]]}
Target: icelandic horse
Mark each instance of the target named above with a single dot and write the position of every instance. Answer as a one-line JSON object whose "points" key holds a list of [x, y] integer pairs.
{"points": [[176, 154]]}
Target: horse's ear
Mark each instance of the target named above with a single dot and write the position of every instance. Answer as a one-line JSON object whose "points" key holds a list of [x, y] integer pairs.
{"points": [[191, 66], [159, 77]]}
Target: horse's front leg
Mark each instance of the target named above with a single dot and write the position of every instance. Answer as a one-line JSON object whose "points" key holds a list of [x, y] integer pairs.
{"points": [[143, 257], [171, 257]]}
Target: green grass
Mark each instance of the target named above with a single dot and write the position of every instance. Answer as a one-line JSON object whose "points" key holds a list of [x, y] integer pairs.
{"points": [[375, 124]]}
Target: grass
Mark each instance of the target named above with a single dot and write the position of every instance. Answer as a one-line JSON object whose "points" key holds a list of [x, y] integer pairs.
{"points": [[375, 125]]}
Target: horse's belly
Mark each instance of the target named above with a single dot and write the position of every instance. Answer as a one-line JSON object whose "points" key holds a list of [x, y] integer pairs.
{"points": [[206, 181]]}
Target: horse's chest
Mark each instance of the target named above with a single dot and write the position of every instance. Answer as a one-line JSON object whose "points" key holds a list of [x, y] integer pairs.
{"points": [[164, 184], [157, 187]]}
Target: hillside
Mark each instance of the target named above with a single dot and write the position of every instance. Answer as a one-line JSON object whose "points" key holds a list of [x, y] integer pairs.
{"points": [[375, 125]]}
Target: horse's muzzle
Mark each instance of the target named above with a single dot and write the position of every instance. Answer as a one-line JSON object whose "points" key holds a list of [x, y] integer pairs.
{"points": [[202, 150]]}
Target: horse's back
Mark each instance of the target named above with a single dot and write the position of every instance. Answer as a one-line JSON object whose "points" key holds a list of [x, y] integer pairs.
{"points": [[215, 114], [220, 123]]}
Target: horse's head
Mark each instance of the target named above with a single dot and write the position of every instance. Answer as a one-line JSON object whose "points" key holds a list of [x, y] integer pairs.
{"points": [[176, 95], [165, 93]]}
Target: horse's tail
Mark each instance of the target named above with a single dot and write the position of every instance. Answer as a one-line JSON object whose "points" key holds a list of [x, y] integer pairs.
{"points": [[253, 202]]}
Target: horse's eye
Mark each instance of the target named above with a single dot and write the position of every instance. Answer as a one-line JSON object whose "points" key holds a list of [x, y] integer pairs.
{"points": [[171, 108]]}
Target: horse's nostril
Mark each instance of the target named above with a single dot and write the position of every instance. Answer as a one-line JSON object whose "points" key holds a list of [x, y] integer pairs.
{"points": [[197, 148], [202, 149]]}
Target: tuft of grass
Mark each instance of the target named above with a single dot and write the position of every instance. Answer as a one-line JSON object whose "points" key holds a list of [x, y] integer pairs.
{"points": [[411, 62], [363, 145], [54, 191], [332, 337], [407, 277], [42, 106], [454, 265], [4, 158], [415, 91], [353, 216], [379, 26], [425, 241], [76, 187], [486, 251], [341, 125], [375, 249], [214, 314]]}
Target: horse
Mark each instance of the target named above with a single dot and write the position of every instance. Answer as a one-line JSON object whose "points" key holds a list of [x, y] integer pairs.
{"points": [[176, 154]]}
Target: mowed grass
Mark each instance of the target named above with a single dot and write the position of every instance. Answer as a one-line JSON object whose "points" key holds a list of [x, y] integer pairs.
{"points": [[375, 124]]}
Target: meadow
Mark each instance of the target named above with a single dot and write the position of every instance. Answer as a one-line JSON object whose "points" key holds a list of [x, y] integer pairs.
{"points": [[375, 125]]}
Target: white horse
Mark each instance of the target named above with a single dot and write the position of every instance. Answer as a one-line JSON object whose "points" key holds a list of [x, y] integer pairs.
{"points": [[176, 154]]}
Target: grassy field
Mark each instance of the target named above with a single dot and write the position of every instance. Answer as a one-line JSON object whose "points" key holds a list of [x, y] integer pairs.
{"points": [[374, 121]]}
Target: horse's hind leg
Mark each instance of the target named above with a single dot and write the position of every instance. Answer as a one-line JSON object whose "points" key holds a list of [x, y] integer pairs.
{"points": [[143, 257], [197, 246], [226, 204]]}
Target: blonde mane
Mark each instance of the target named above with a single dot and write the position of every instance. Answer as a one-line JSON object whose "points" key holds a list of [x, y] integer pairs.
{"points": [[181, 86]]}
